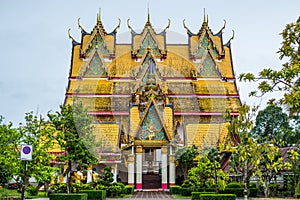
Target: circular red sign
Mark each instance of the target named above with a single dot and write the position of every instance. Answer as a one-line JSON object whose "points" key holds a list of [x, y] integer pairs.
{"points": [[26, 150]]}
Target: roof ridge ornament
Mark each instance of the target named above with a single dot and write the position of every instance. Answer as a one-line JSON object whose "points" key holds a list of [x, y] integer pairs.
{"points": [[229, 41], [74, 42], [221, 30], [80, 27], [186, 28], [117, 27], [168, 26], [128, 25]]}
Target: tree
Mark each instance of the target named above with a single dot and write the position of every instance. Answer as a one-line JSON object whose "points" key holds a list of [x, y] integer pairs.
{"points": [[294, 160], [74, 134], [271, 123], [247, 155], [9, 152], [36, 132], [285, 79], [185, 157], [207, 172], [270, 165]]}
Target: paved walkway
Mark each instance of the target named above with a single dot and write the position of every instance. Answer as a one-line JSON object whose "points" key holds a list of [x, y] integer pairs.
{"points": [[147, 195], [165, 195]]}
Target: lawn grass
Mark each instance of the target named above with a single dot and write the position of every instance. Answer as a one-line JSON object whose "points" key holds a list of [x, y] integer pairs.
{"points": [[14, 193], [178, 196]]}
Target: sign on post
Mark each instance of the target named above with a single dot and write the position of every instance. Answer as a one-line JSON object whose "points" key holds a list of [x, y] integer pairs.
{"points": [[26, 152]]}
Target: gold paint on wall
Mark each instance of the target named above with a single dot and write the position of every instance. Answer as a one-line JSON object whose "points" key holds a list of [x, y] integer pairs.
{"points": [[107, 135]]}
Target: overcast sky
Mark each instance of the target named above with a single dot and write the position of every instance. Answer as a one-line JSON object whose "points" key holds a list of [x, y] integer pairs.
{"points": [[35, 50]]}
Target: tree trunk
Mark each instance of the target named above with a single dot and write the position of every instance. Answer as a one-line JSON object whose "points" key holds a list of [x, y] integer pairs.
{"points": [[266, 188], [68, 176]]}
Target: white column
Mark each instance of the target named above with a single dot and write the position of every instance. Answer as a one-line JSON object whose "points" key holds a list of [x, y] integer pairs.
{"points": [[115, 170], [164, 168], [89, 177], [139, 166], [131, 169], [172, 170]]}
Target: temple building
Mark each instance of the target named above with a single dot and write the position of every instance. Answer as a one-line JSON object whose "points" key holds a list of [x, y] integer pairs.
{"points": [[149, 97]]}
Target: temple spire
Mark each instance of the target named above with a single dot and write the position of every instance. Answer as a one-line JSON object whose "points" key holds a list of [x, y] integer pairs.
{"points": [[99, 15], [205, 20], [148, 23]]}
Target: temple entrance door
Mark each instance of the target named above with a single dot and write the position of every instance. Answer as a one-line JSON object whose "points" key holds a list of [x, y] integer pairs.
{"points": [[151, 168]]}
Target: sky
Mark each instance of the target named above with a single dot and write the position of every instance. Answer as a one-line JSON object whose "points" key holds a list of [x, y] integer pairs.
{"points": [[35, 50]]}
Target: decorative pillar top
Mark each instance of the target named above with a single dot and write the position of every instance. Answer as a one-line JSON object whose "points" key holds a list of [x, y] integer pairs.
{"points": [[164, 150], [131, 158], [172, 158], [139, 149]]}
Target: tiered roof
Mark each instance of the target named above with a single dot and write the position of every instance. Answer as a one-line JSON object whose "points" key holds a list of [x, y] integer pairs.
{"points": [[197, 78]]}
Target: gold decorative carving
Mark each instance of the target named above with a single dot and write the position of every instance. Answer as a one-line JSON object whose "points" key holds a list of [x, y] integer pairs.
{"points": [[151, 143], [139, 149], [130, 158], [172, 158], [164, 150]]}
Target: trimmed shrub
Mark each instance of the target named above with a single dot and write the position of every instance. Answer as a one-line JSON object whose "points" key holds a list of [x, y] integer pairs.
{"points": [[297, 190], [63, 196], [239, 192], [128, 189], [253, 192], [211, 190], [175, 189], [196, 195], [32, 190], [217, 197], [59, 188], [234, 185], [186, 191], [95, 194], [252, 185]]}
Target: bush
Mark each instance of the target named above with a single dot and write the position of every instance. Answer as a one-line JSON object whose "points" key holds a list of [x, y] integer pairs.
{"points": [[186, 191], [297, 190], [253, 192], [95, 194], [128, 189], [234, 185], [210, 190], [59, 188], [175, 189], [196, 195], [217, 197], [32, 190], [62, 196], [76, 187], [252, 185], [239, 192]]}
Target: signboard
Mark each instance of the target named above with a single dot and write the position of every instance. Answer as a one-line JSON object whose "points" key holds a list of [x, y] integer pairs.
{"points": [[26, 152]]}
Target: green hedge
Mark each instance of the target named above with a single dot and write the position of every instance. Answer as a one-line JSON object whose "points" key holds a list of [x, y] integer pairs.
{"points": [[95, 194], [239, 192], [63, 196], [196, 195], [128, 189], [217, 196], [186, 191], [198, 189], [175, 189], [234, 185], [253, 192]]}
